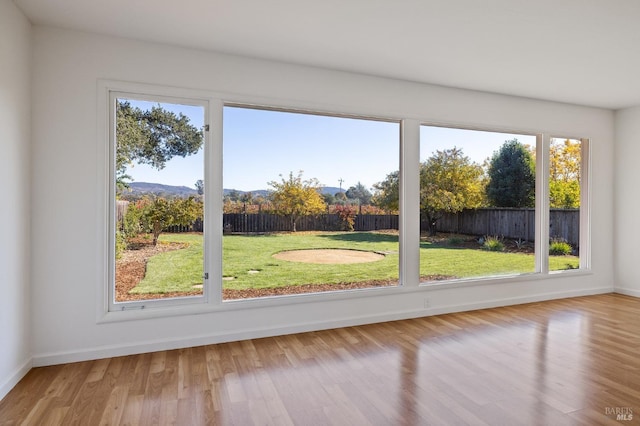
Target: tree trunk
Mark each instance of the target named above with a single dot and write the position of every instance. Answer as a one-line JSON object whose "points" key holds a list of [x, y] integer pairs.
{"points": [[432, 225], [157, 229]]}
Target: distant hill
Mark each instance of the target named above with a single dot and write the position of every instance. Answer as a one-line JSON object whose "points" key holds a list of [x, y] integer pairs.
{"points": [[158, 189], [139, 188], [264, 192], [332, 190], [255, 193]]}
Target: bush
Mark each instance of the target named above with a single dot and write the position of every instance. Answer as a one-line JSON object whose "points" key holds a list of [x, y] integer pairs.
{"points": [[560, 248], [347, 215], [493, 244], [454, 240], [130, 226], [121, 244]]}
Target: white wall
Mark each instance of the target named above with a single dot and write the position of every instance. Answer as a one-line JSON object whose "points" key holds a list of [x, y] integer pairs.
{"points": [[627, 201], [15, 100], [68, 156]]}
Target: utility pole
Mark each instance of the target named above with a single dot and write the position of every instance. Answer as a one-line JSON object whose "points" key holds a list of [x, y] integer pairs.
{"points": [[340, 180]]}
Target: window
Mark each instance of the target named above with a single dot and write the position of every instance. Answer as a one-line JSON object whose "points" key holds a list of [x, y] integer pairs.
{"points": [[566, 195], [157, 220], [299, 202], [477, 203], [310, 203]]}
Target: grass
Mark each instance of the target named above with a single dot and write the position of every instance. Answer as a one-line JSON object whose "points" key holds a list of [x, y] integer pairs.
{"points": [[242, 254], [248, 260], [177, 270]]}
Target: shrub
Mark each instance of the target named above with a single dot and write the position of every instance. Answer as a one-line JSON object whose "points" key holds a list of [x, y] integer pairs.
{"points": [[493, 244], [130, 226], [121, 244], [454, 240], [559, 247], [520, 243], [347, 215]]}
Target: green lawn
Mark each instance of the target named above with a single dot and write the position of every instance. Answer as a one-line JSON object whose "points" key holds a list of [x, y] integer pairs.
{"points": [[248, 261], [177, 270], [242, 254]]}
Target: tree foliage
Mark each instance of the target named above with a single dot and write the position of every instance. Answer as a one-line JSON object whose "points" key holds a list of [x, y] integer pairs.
{"points": [[200, 186], [564, 176], [359, 192], [449, 182], [387, 193], [152, 137], [159, 213], [295, 198], [512, 177], [347, 216]]}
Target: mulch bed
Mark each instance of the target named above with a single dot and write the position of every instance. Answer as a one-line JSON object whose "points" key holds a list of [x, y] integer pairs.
{"points": [[467, 242]]}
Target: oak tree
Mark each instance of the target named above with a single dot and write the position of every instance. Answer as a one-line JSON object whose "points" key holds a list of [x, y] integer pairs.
{"points": [[152, 137]]}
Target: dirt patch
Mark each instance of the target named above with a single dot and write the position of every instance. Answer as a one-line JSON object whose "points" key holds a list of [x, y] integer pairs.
{"points": [[475, 243], [251, 293], [329, 256]]}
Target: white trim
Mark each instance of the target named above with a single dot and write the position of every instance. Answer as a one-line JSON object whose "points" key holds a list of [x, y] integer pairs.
{"points": [[12, 380], [53, 358], [213, 210], [108, 92], [542, 204], [627, 291], [409, 168], [409, 224], [585, 204]]}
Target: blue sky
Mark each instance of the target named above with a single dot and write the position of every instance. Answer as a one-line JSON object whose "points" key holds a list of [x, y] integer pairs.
{"points": [[477, 145], [260, 145]]}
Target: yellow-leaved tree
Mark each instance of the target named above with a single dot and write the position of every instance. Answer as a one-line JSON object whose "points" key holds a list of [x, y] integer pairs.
{"points": [[295, 197], [564, 170]]}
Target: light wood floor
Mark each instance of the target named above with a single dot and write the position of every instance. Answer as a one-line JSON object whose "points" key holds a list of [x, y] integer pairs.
{"points": [[572, 361]]}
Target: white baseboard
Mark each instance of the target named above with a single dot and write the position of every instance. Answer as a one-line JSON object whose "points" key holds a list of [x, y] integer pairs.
{"points": [[627, 291], [14, 378], [254, 333]]}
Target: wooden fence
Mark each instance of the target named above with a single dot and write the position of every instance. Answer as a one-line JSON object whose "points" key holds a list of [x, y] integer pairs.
{"points": [[502, 222], [511, 223], [265, 222]]}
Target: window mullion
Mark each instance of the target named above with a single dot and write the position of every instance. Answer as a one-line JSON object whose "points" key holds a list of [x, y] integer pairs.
{"points": [[585, 204], [542, 203], [410, 203], [213, 203]]}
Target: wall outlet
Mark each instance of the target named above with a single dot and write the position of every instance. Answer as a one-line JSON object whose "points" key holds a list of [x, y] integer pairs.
{"points": [[427, 302]]}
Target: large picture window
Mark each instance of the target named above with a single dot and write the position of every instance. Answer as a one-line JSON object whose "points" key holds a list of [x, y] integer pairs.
{"points": [[157, 199], [310, 203], [306, 203]]}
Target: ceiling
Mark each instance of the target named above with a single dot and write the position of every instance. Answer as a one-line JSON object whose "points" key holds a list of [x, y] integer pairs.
{"points": [[583, 52]]}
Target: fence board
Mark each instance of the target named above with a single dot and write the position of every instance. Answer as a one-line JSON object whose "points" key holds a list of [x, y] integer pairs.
{"points": [[500, 222], [511, 223]]}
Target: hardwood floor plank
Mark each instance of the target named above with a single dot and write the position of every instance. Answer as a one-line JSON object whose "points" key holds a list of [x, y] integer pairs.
{"points": [[563, 362]]}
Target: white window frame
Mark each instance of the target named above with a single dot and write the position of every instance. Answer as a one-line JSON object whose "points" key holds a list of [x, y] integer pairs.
{"points": [[409, 220], [405, 275], [585, 203], [108, 93]]}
